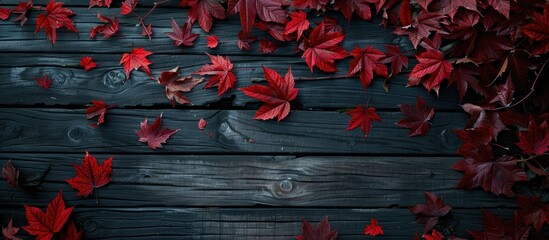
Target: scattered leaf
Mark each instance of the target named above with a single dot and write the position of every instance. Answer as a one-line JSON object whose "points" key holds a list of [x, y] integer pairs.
{"points": [[87, 63], [430, 213], [431, 62], [267, 46], [494, 228], [72, 233], [204, 11], [56, 16], [100, 3], [266, 10], [98, 108], [182, 35], [45, 225], [223, 76], [176, 85], [213, 41], [9, 231], [154, 135], [397, 59], [146, 30], [91, 175], [244, 40], [128, 6], [321, 232], [5, 13], [417, 117], [202, 124], [108, 29], [367, 61], [538, 30], [536, 139], [321, 48], [135, 60], [44, 82], [298, 24], [363, 117], [360, 7], [373, 229], [22, 9]]}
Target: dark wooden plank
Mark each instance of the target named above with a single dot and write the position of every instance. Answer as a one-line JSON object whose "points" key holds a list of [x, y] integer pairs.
{"points": [[75, 86], [13, 38], [323, 181], [55, 130], [248, 223]]}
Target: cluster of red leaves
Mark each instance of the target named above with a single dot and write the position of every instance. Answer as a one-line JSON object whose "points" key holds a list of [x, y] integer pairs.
{"points": [[324, 232]]}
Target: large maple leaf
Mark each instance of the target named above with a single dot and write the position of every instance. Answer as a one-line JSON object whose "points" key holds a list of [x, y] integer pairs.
{"points": [[367, 61], [154, 135], [373, 229], [299, 23], [276, 96], [221, 70], [182, 35], [56, 16], [533, 211], [536, 139], [108, 29], [397, 59], [44, 225], [91, 175], [360, 7], [204, 11], [431, 63], [362, 117], [321, 49], [135, 60], [321, 232], [417, 117], [176, 85], [538, 30], [9, 231], [266, 10], [495, 228], [430, 213], [496, 175]]}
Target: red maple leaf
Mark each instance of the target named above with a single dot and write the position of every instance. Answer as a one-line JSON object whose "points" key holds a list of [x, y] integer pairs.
{"points": [[223, 76], [202, 124], [465, 75], [212, 41], [422, 27], [154, 135], [135, 60], [298, 24], [321, 232], [108, 29], [431, 62], [9, 231], [363, 117], [204, 10], [484, 119], [397, 59], [72, 233], [91, 175], [11, 174], [276, 30], [128, 6], [100, 3], [360, 7], [44, 225], [533, 211], [44, 82], [244, 40], [430, 213], [87, 63], [495, 228], [22, 10], [276, 96], [536, 139], [417, 117], [176, 85], [373, 229], [313, 4], [98, 108], [267, 46], [434, 235], [496, 175], [266, 10], [146, 30], [321, 48], [5, 13], [367, 61], [538, 30], [56, 16], [182, 35]]}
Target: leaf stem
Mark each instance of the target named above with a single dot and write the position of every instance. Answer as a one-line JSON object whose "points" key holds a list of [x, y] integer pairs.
{"points": [[527, 159]]}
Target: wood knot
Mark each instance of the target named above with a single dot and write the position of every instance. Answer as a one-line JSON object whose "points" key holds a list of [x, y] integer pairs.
{"points": [[286, 185], [76, 134], [90, 226], [114, 79], [60, 77], [9, 130], [449, 139]]}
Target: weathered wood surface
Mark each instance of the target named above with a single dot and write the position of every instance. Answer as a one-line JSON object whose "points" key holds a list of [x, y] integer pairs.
{"points": [[233, 131], [249, 223], [73, 85], [311, 181]]}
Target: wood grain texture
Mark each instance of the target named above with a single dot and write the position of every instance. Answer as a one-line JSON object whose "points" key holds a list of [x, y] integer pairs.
{"points": [[73, 85], [17, 39], [248, 223], [58, 130], [311, 181]]}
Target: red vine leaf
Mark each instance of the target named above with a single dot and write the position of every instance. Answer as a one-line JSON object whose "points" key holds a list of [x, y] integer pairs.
{"points": [[397, 59], [417, 117], [202, 124], [98, 108], [100, 3], [128, 6], [276, 96], [367, 61], [9, 231], [536, 139], [154, 135], [182, 35], [11, 174], [176, 85], [108, 29], [135, 60], [267, 46], [223, 77], [538, 30], [533, 211], [423, 26], [430, 213], [321, 232], [204, 11], [44, 82], [5, 13], [373, 229], [22, 9], [363, 117], [212, 41], [91, 175], [87, 63], [56, 16], [44, 225], [266, 10], [360, 7], [431, 63], [494, 228], [321, 49], [298, 24]]}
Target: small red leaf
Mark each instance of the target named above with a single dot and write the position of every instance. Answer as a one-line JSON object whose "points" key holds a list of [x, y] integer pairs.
{"points": [[202, 124], [266, 10], [154, 135], [5, 13], [533, 211], [176, 85], [299, 24], [9, 231], [321, 232], [99, 108], [91, 175], [431, 63], [417, 117], [434, 235], [429, 213], [108, 29], [373, 229], [244, 41], [135, 60], [72, 233], [182, 35], [44, 82], [56, 16], [44, 225], [267, 46], [536, 139], [213, 41], [396, 58], [367, 61], [100, 3], [146, 30], [221, 69], [22, 10], [204, 11], [11, 174], [87, 63], [363, 117], [321, 48], [128, 6]]}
